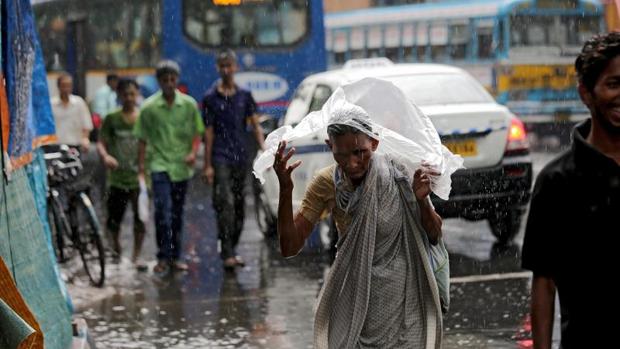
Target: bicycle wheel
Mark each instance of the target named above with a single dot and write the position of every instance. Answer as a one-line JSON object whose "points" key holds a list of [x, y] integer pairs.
{"points": [[266, 220], [60, 230], [88, 240]]}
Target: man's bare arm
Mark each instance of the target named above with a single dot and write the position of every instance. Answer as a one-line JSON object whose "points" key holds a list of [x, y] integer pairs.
{"points": [[542, 308]]}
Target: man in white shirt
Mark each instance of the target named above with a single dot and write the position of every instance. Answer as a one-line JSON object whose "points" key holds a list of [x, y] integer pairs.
{"points": [[105, 100], [71, 115]]}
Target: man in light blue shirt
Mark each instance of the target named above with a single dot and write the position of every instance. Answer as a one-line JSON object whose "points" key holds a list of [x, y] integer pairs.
{"points": [[105, 100]]}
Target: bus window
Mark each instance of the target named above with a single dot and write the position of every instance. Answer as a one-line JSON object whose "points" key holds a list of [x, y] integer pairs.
{"points": [[485, 42], [356, 54], [552, 30], [266, 23], [581, 28], [392, 54], [459, 39], [421, 41], [408, 54], [391, 42], [372, 53], [126, 36], [536, 33], [439, 53], [421, 53], [52, 27], [339, 58], [438, 35]]}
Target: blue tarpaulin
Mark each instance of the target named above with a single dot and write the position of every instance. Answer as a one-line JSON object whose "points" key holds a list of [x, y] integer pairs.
{"points": [[31, 120], [24, 243]]}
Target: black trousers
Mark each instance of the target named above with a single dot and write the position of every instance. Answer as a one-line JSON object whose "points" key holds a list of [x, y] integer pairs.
{"points": [[118, 199], [229, 204]]}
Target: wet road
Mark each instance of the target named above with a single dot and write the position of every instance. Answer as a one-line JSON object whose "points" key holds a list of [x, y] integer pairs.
{"points": [[268, 303]]}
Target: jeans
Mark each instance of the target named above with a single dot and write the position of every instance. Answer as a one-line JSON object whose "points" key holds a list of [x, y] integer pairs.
{"points": [[169, 199], [229, 204]]}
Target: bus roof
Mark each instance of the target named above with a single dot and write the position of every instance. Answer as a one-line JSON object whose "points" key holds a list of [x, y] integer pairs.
{"points": [[426, 11], [342, 76]]}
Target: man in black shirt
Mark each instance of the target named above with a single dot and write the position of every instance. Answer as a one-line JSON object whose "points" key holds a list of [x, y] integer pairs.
{"points": [[573, 226]]}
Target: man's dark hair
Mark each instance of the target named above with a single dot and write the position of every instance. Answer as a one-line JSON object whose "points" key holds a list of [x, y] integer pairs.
{"points": [[61, 76], [226, 55], [111, 76], [123, 84], [595, 55], [335, 130], [167, 67]]}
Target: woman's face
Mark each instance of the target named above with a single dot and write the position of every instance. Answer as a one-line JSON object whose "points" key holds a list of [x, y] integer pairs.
{"points": [[352, 152]]}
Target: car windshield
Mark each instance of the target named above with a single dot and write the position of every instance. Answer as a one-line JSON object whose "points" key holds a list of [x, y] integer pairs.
{"points": [[440, 89]]}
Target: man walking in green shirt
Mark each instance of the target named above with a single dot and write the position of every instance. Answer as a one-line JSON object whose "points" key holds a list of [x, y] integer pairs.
{"points": [[118, 148], [171, 127]]}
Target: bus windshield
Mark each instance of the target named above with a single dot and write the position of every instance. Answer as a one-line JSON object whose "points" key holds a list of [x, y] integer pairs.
{"points": [[552, 30], [251, 23]]}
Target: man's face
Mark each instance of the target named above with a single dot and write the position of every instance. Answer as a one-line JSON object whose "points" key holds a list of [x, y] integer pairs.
{"points": [[604, 99], [227, 69], [113, 84], [65, 86], [168, 83], [129, 96], [352, 152]]}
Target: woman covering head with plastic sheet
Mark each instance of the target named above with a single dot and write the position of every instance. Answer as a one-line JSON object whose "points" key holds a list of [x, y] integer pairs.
{"points": [[388, 286]]}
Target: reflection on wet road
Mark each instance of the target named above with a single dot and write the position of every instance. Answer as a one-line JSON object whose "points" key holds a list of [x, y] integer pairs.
{"points": [[269, 303]]}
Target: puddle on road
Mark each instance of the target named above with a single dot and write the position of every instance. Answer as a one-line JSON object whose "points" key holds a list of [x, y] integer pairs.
{"points": [[267, 304]]}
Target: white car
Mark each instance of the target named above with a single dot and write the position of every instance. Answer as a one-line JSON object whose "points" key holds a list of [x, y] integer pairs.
{"points": [[496, 182]]}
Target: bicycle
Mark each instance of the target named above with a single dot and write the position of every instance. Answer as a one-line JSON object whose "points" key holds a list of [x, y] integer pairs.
{"points": [[71, 215]]}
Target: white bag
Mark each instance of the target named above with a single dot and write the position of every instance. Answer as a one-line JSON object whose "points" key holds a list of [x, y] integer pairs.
{"points": [[143, 202], [400, 126]]}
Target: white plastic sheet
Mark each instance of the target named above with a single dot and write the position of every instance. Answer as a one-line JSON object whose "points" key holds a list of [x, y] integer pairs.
{"points": [[402, 129]]}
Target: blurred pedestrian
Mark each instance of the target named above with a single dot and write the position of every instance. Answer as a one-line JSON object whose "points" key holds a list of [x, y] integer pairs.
{"points": [[71, 116], [171, 127], [229, 111], [118, 148], [571, 235], [378, 293], [106, 100]]}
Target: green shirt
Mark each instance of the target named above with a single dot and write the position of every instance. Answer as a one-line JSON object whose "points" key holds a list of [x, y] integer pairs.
{"points": [[123, 146], [169, 131]]}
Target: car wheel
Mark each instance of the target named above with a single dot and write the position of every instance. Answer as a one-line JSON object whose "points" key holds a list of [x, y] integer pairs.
{"points": [[505, 225]]}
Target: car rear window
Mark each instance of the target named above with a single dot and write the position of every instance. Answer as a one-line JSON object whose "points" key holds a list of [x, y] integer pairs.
{"points": [[440, 89]]}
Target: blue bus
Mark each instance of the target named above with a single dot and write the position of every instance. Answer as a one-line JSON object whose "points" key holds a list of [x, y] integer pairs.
{"points": [[523, 51], [279, 42]]}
